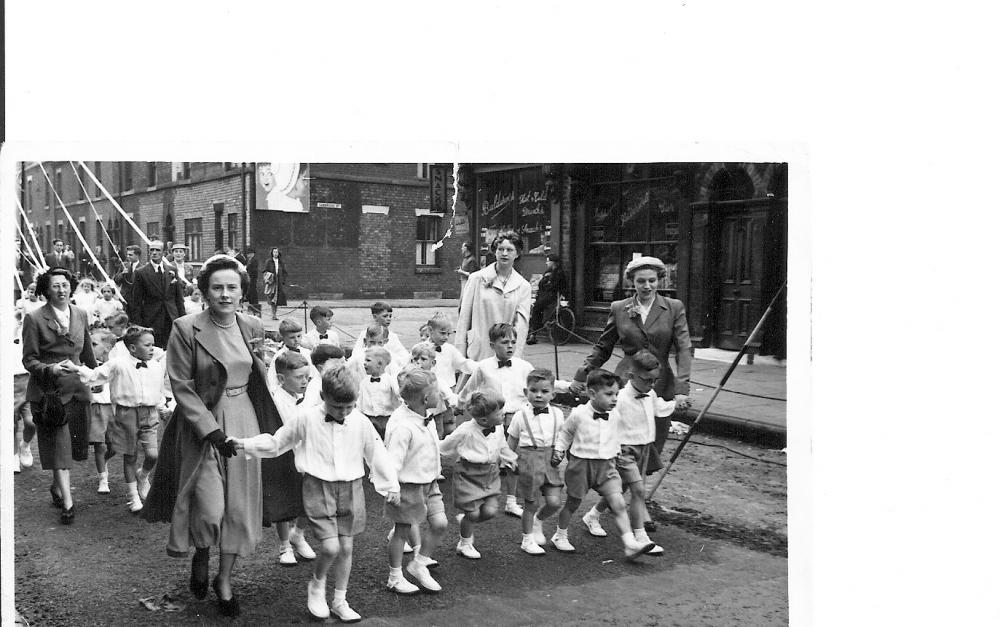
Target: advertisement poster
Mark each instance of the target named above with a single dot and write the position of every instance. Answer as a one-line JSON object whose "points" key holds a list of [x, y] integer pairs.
{"points": [[283, 187]]}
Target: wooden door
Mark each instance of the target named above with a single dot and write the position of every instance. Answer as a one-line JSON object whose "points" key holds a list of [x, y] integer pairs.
{"points": [[740, 276]]}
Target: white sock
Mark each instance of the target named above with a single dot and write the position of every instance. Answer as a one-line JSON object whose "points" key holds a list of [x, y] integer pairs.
{"points": [[594, 512], [319, 582], [133, 489], [103, 475], [422, 559], [285, 544], [527, 536], [339, 596], [628, 538], [511, 499], [561, 532], [294, 535], [395, 573]]}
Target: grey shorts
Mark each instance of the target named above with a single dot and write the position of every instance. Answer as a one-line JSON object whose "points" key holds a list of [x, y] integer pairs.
{"points": [[584, 474], [334, 508], [417, 503]]}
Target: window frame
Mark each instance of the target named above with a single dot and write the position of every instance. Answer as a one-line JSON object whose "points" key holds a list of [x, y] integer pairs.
{"points": [[424, 247], [193, 239]]}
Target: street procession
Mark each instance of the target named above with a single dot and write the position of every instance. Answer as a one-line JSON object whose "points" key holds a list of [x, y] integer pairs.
{"points": [[283, 392]]}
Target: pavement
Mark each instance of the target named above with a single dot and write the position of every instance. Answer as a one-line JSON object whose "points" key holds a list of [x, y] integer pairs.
{"points": [[751, 407]]}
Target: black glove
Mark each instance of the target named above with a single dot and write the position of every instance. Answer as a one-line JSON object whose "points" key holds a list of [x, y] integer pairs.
{"points": [[218, 439]]}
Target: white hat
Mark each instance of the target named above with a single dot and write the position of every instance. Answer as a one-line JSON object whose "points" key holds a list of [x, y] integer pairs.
{"points": [[645, 262], [285, 175]]}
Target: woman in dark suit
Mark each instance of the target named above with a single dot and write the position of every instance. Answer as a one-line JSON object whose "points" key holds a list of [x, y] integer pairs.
{"points": [[211, 496], [55, 340], [274, 283], [653, 322], [253, 269]]}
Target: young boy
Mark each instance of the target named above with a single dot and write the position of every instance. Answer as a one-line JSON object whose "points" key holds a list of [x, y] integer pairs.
{"points": [[448, 359], [378, 392], [590, 434], [106, 305], [333, 442], [481, 450], [638, 407], [532, 434], [291, 338], [322, 319], [506, 374], [138, 387], [412, 444], [101, 410], [422, 355], [382, 316], [323, 357], [22, 409], [293, 375]]}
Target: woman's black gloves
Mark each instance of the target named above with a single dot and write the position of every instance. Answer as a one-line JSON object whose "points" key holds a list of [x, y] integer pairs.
{"points": [[218, 439]]}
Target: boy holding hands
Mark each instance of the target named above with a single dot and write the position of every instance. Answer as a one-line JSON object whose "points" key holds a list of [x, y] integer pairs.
{"points": [[378, 392]]}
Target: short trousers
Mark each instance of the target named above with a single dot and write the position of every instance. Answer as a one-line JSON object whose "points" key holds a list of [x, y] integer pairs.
{"points": [[536, 474], [417, 503], [630, 458], [101, 415], [583, 474], [473, 483], [133, 427], [334, 508], [21, 405]]}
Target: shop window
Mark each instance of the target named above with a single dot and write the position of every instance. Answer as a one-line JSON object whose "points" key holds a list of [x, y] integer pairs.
{"points": [[192, 237], [427, 235]]}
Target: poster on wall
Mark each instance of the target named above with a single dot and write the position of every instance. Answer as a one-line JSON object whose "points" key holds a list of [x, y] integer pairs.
{"points": [[283, 187], [534, 214]]}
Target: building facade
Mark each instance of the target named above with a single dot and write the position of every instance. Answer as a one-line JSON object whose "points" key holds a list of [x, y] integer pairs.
{"points": [[721, 229], [358, 230]]}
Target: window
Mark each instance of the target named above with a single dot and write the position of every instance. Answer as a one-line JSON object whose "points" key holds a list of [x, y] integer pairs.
{"points": [[29, 195], [79, 186], [427, 236], [61, 231], [153, 230], [230, 165], [58, 183], [127, 183], [192, 237], [424, 170], [218, 208], [150, 174], [81, 251], [97, 174], [48, 194], [234, 230], [48, 234], [180, 170]]}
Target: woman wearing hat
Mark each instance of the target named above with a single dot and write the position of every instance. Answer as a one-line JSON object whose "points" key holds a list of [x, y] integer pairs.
{"points": [[650, 321]]}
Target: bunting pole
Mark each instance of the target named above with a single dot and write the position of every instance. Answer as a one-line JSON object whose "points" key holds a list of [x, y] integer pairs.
{"points": [[97, 215], [114, 203]]}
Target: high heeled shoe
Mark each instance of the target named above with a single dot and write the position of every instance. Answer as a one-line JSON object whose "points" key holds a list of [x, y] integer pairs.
{"points": [[57, 498], [227, 607], [67, 515], [199, 576]]}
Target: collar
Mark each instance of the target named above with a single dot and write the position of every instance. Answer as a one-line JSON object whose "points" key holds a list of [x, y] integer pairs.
{"points": [[416, 418], [288, 395], [490, 277]]}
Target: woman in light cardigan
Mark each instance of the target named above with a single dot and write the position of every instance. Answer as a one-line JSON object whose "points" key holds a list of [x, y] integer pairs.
{"points": [[497, 293]]}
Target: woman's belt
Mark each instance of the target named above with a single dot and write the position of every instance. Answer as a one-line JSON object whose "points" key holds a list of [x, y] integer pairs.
{"points": [[237, 391]]}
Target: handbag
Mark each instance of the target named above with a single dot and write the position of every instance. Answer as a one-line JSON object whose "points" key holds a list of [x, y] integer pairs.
{"points": [[53, 414]]}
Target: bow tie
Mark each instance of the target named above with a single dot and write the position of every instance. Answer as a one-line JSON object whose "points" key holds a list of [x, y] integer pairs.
{"points": [[428, 420], [642, 395], [487, 432], [376, 379], [298, 401], [437, 349], [330, 418], [540, 410], [293, 350], [323, 336], [503, 364], [140, 364], [600, 415]]}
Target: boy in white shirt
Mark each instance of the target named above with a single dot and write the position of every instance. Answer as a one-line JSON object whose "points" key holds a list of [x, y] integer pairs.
{"points": [[323, 357], [291, 338], [506, 374], [101, 410], [448, 359], [590, 435], [322, 319], [638, 406], [382, 316], [423, 356], [413, 446], [378, 392], [481, 449], [333, 441]]}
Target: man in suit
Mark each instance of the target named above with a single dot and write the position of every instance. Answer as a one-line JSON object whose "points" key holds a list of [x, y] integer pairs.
{"points": [[158, 295], [185, 271], [59, 257], [125, 280]]}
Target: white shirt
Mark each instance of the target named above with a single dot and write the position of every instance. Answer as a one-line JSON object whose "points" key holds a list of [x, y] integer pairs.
{"points": [[62, 317], [400, 355], [413, 446], [638, 424], [644, 309], [330, 451], [544, 426], [510, 381], [312, 339], [130, 386], [468, 442], [157, 267], [378, 398], [120, 351], [450, 360], [286, 403], [272, 373], [104, 308], [590, 438]]}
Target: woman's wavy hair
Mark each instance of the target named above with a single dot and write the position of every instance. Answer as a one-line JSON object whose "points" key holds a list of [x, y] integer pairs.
{"points": [[222, 262], [43, 281]]}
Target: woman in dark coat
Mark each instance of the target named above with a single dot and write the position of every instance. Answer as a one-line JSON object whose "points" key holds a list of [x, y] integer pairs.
{"points": [[55, 340], [211, 496], [253, 270], [274, 283]]}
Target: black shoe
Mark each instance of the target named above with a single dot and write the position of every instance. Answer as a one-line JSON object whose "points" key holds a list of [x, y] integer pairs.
{"points": [[199, 576], [227, 607], [57, 499], [649, 526], [67, 515]]}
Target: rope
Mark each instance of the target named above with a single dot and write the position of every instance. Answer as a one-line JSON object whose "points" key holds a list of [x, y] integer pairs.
{"points": [[31, 230], [111, 242], [114, 203]]}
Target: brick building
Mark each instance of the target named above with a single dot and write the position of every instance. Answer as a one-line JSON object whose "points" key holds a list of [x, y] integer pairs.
{"points": [[361, 230], [721, 229]]}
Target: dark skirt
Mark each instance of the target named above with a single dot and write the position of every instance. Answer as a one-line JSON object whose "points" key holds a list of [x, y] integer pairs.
{"points": [[58, 448]]}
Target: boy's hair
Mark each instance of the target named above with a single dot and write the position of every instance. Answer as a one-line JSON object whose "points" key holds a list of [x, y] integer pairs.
{"points": [[133, 333], [376, 331], [319, 311], [188, 289], [601, 378], [289, 361], [339, 385], [108, 286], [484, 402], [287, 326], [422, 349], [324, 353], [540, 374], [439, 320], [116, 319], [380, 352], [502, 330], [644, 360], [413, 382], [104, 337], [425, 330], [380, 306]]}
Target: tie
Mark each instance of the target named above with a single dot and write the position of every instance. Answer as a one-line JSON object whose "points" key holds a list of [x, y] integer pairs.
{"points": [[330, 418], [323, 336], [600, 415], [503, 364], [437, 349], [376, 379], [487, 432], [643, 395], [294, 350], [298, 401], [540, 410], [140, 364]]}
